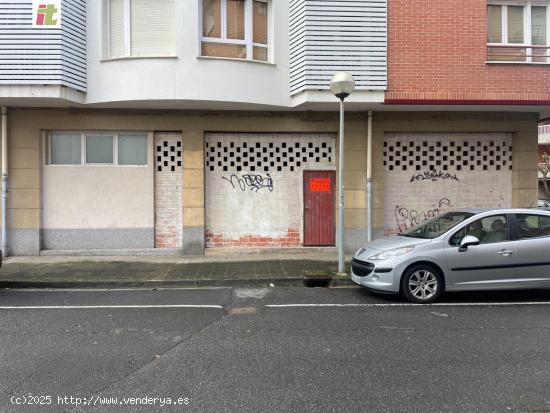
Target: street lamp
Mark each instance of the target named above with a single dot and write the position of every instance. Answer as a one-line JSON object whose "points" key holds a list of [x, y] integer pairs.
{"points": [[341, 85]]}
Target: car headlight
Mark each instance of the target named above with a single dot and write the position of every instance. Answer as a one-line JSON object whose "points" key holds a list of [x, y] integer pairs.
{"points": [[360, 251], [388, 255]]}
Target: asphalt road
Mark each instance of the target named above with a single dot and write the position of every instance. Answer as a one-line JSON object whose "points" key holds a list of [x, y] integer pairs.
{"points": [[277, 349]]}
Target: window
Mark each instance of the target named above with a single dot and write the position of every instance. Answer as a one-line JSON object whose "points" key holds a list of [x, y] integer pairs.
{"points": [[65, 149], [235, 28], [518, 31], [488, 230], [437, 226], [132, 149], [141, 28], [99, 149], [533, 226], [129, 149]]}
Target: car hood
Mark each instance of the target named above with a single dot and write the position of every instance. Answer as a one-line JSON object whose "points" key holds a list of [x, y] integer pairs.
{"points": [[390, 243]]}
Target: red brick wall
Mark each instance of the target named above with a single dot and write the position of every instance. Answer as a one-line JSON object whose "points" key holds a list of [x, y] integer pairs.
{"points": [[291, 239], [437, 52]]}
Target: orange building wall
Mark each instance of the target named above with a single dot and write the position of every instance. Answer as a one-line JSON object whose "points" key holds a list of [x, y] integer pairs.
{"points": [[437, 52]]}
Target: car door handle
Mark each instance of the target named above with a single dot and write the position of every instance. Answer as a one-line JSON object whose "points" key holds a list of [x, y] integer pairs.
{"points": [[505, 253]]}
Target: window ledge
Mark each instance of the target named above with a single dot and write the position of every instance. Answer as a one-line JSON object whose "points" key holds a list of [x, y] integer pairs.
{"points": [[152, 56], [490, 62], [235, 60]]}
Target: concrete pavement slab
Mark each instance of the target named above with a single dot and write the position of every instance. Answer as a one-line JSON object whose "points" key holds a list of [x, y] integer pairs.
{"points": [[243, 269]]}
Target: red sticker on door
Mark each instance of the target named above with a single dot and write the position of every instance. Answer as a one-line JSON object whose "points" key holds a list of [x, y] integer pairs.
{"points": [[319, 185]]}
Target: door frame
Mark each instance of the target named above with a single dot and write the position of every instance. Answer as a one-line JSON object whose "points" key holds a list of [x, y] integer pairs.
{"points": [[333, 171]]}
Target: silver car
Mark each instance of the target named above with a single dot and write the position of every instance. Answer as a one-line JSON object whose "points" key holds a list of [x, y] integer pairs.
{"points": [[469, 249]]}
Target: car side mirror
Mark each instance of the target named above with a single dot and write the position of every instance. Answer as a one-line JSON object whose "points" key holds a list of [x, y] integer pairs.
{"points": [[467, 241]]}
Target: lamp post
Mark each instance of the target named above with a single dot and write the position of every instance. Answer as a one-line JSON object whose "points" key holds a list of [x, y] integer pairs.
{"points": [[341, 85]]}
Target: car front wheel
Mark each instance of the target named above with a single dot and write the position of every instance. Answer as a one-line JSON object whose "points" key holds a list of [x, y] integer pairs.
{"points": [[422, 284]]}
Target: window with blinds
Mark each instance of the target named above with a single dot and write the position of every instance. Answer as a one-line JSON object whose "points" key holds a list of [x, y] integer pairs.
{"points": [[116, 26], [142, 28], [235, 29], [518, 33]]}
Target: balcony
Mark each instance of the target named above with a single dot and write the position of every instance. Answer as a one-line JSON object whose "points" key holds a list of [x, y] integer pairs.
{"points": [[517, 53]]}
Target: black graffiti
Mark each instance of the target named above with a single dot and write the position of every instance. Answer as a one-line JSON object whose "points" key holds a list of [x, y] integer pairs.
{"points": [[434, 176], [252, 182], [407, 219]]}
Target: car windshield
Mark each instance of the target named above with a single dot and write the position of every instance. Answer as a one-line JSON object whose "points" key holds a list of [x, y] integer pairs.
{"points": [[437, 226]]}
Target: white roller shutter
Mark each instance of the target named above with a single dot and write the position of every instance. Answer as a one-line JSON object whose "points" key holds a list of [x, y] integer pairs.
{"points": [[116, 34], [153, 27]]}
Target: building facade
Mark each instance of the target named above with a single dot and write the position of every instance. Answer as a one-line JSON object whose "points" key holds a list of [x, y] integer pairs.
{"points": [[194, 124], [544, 149]]}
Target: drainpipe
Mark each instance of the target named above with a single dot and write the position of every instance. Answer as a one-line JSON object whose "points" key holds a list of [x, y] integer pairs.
{"points": [[4, 181], [369, 177]]}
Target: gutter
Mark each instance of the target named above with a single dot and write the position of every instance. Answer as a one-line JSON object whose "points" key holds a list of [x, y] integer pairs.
{"points": [[4, 138]]}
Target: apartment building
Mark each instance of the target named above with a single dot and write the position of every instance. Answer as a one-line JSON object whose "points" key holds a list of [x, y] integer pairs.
{"points": [[189, 124], [544, 149]]}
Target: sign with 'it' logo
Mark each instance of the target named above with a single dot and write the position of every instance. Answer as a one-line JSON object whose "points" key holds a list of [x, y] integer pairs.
{"points": [[46, 14]]}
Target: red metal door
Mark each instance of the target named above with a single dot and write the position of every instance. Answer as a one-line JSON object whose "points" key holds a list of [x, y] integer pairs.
{"points": [[319, 208]]}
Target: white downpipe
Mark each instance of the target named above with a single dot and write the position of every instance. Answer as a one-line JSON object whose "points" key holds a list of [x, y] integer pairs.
{"points": [[4, 181], [369, 177]]}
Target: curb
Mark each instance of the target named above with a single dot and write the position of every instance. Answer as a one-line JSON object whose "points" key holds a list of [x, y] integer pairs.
{"points": [[263, 282], [150, 283]]}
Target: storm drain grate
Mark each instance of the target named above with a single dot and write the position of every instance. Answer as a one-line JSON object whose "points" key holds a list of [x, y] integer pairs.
{"points": [[312, 281]]}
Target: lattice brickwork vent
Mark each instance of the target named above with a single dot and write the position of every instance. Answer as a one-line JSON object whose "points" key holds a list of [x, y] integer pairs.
{"points": [[168, 156], [458, 155], [265, 154]]}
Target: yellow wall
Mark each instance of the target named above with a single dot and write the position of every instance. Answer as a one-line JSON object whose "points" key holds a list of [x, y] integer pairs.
{"points": [[24, 126]]}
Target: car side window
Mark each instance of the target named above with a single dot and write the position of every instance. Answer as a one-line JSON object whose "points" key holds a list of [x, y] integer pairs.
{"points": [[533, 225], [488, 230]]}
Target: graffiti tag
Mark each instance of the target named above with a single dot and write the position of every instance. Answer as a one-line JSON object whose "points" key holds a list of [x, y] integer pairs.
{"points": [[407, 219], [252, 182], [434, 176]]}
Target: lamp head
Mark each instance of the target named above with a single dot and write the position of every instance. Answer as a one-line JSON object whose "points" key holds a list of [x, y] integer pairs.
{"points": [[342, 85]]}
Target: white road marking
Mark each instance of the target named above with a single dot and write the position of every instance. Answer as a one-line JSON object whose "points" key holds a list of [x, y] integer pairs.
{"points": [[114, 289], [496, 304], [70, 307]]}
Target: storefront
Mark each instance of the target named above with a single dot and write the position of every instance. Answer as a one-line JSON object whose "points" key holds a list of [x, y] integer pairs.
{"points": [[182, 182]]}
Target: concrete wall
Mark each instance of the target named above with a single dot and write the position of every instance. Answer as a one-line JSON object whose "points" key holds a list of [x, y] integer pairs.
{"points": [[25, 124], [98, 206]]}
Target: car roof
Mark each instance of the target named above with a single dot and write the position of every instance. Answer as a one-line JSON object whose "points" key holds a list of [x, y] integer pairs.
{"points": [[476, 211]]}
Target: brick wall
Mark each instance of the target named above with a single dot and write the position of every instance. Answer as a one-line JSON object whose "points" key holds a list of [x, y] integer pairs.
{"points": [[292, 238], [168, 190], [253, 186], [437, 52], [446, 171]]}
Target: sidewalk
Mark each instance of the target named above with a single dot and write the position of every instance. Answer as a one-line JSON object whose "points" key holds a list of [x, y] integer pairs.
{"points": [[218, 268]]}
